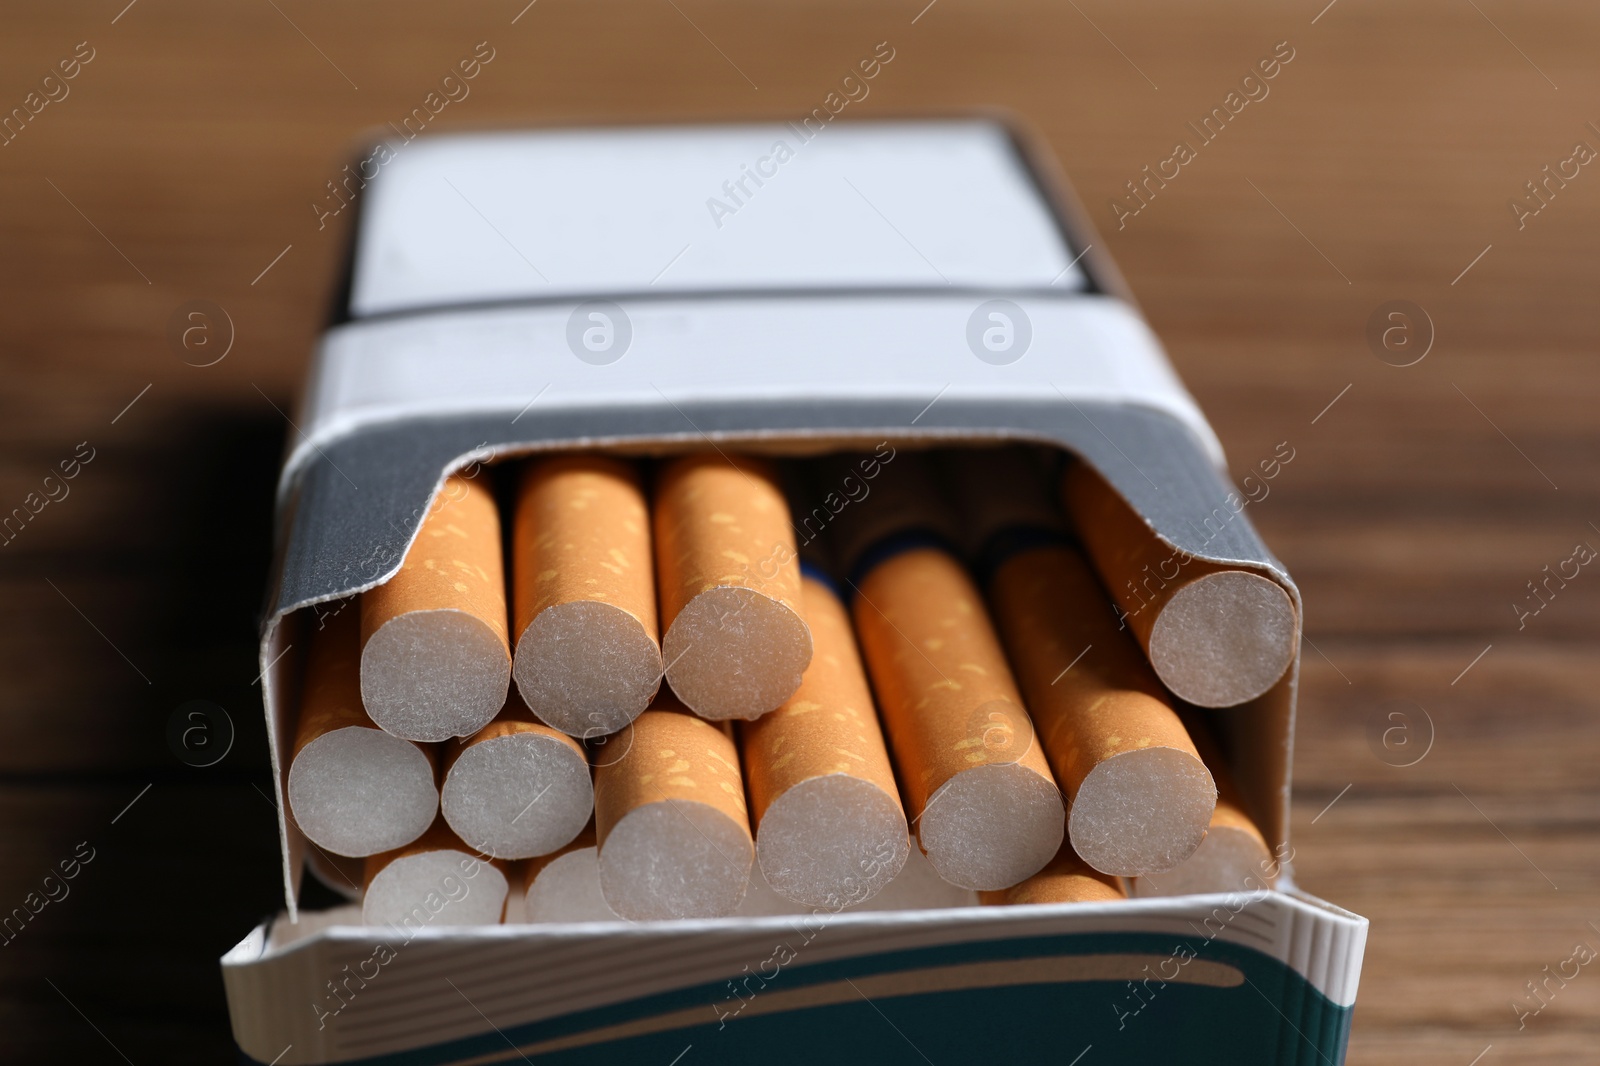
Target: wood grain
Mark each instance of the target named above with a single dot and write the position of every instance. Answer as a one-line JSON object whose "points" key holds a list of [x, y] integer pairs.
{"points": [[190, 150]]}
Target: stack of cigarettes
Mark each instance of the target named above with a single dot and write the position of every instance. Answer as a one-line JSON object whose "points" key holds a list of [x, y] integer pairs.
{"points": [[720, 684]]}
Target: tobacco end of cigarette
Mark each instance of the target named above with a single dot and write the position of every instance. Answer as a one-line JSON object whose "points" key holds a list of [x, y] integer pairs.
{"points": [[1068, 879], [1224, 638], [675, 859], [991, 826], [518, 795], [733, 652], [358, 791], [1143, 811], [433, 675], [587, 668], [832, 841]]}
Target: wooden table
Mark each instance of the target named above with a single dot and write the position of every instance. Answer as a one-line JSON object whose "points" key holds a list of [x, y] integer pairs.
{"points": [[183, 165]]}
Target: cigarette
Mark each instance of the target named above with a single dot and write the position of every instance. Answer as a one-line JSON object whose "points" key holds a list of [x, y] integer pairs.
{"points": [[435, 881], [587, 659], [1068, 879], [435, 662], [354, 790], [564, 886], [1217, 636], [830, 830], [986, 808], [516, 788], [674, 836], [736, 641], [1234, 857], [1140, 796]]}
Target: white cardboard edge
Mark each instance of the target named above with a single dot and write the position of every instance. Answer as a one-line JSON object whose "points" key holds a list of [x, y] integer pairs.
{"points": [[912, 349], [1323, 943]]}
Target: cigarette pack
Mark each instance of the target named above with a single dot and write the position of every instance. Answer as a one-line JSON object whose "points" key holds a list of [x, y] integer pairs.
{"points": [[788, 289]]}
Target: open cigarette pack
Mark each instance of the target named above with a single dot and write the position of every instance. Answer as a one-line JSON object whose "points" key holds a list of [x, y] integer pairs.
{"points": [[804, 519]]}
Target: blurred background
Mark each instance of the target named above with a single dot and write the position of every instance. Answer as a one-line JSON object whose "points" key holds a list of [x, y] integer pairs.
{"points": [[1427, 161]]}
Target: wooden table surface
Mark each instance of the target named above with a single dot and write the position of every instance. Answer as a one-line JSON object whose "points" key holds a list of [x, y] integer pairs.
{"points": [[183, 162]]}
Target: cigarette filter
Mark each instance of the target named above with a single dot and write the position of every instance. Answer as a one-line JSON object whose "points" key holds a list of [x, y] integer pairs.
{"points": [[980, 793], [1234, 856], [762, 901], [516, 788], [435, 662], [674, 837], [1068, 879], [830, 831], [353, 789], [436, 880], [1140, 797], [1216, 636], [588, 660], [564, 886], [736, 641]]}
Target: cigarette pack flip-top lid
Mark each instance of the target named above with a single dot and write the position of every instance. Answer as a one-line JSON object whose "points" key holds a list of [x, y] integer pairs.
{"points": [[794, 289]]}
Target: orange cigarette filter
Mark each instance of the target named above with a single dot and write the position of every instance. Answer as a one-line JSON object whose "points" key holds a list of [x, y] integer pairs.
{"points": [[435, 661], [588, 659], [353, 789], [830, 830], [736, 640], [564, 886], [516, 788], [1068, 879], [1234, 857], [1217, 636], [987, 810], [670, 818], [1140, 796], [435, 880]]}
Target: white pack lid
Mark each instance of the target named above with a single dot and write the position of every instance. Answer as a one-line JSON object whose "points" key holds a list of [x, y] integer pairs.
{"points": [[593, 213]]}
